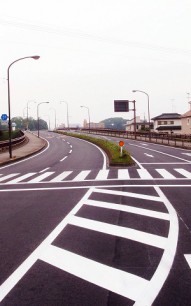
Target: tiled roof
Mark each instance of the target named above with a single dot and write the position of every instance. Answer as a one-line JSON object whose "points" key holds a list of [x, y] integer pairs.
{"points": [[168, 116]]}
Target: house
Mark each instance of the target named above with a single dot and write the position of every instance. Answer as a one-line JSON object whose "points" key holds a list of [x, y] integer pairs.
{"points": [[186, 121], [141, 125], [167, 123]]}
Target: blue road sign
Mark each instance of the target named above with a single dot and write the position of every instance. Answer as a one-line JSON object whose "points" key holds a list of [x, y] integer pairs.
{"points": [[4, 117]]}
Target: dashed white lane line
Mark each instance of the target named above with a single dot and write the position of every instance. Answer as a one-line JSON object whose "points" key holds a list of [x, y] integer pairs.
{"points": [[149, 155], [70, 151], [44, 170], [63, 158]]}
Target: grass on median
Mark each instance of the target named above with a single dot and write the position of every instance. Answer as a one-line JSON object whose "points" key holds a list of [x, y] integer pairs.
{"points": [[111, 149]]}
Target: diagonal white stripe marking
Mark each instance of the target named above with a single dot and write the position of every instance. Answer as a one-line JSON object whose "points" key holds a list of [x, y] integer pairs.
{"points": [[123, 174], [21, 178], [40, 177], [102, 175], [129, 209], [188, 258], [144, 174], [120, 282], [6, 177], [120, 231], [184, 172], [61, 176], [165, 174], [128, 194], [82, 175]]}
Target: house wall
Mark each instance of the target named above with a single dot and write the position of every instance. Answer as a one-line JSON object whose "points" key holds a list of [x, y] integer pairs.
{"points": [[186, 125]]}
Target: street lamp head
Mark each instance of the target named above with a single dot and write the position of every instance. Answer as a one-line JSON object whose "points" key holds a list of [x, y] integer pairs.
{"points": [[36, 57]]}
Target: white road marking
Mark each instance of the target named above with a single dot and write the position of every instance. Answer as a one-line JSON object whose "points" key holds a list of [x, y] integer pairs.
{"points": [[20, 178], [63, 158], [120, 231], [102, 175], [149, 155], [70, 151], [70, 146], [129, 209], [61, 176], [188, 258], [44, 170], [163, 153], [118, 281], [123, 174], [189, 154], [184, 172], [6, 177], [144, 174], [82, 175], [40, 177], [165, 174]]}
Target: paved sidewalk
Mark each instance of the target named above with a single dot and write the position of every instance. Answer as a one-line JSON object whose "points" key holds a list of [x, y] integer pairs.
{"points": [[33, 145]]}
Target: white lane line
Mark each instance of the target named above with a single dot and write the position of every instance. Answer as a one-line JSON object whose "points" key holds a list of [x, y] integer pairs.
{"points": [[82, 175], [184, 172], [129, 209], [178, 163], [6, 177], [165, 174], [123, 174], [188, 154], [63, 158], [102, 175], [70, 151], [20, 178], [40, 177], [44, 170], [118, 281], [149, 155], [70, 146], [128, 194], [61, 176], [119, 231], [144, 174], [68, 142], [188, 258]]}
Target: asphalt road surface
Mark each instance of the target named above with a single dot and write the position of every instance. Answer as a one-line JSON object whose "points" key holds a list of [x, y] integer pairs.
{"points": [[75, 232]]}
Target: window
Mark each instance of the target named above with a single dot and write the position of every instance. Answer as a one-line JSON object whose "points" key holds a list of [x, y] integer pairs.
{"points": [[165, 122], [159, 123], [188, 121], [171, 122]]}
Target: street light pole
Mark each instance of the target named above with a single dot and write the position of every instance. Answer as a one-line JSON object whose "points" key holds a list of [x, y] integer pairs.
{"points": [[148, 110], [88, 114], [38, 115], [67, 112], [28, 113], [9, 100]]}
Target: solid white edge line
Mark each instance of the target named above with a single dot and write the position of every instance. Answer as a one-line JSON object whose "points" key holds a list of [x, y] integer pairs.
{"points": [[188, 259]]}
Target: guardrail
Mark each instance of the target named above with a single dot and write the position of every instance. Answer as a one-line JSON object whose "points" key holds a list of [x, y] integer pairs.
{"points": [[15, 141], [176, 140]]}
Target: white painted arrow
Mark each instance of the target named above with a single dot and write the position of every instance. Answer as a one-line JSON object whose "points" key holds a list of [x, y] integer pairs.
{"points": [[189, 154], [148, 155]]}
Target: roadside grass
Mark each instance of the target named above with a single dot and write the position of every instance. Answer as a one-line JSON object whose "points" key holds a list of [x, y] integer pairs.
{"points": [[111, 149], [4, 135]]}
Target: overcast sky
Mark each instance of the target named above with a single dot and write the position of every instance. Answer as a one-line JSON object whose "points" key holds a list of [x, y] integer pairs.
{"points": [[93, 52]]}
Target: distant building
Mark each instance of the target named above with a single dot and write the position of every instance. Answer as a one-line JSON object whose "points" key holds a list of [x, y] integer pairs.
{"points": [[141, 125], [186, 122], [167, 123], [93, 125]]}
